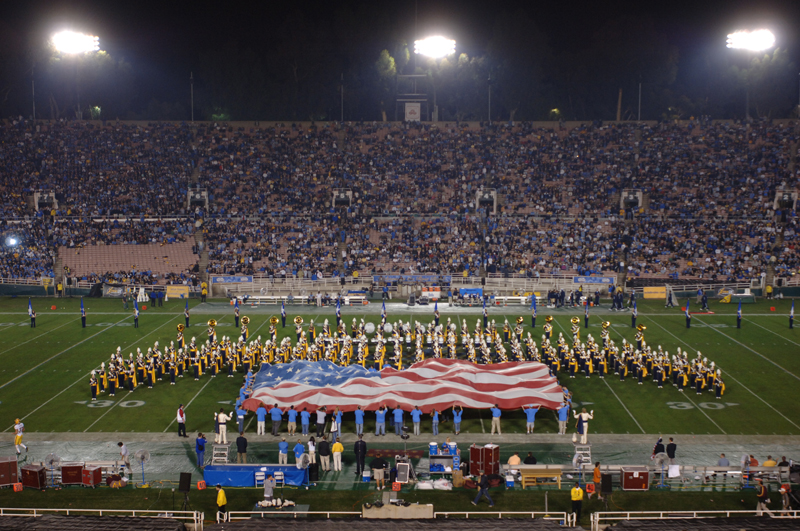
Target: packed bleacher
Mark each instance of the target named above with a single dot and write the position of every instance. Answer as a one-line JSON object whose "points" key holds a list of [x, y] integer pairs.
{"points": [[708, 192]]}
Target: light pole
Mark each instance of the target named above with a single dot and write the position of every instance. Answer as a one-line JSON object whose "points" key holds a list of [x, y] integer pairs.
{"points": [[191, 93], [750, 41], [72, 43], [435, 48]]}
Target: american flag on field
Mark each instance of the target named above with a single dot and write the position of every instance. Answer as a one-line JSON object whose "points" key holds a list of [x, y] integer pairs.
{"points": [[430, 384]]}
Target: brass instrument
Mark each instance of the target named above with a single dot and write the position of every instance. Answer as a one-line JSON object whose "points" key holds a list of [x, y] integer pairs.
{"points": [[212, 323], [298, 320], [273, 320], [181, 328], [520, 320], [606, 324], [641, 328], [548, 319], [575, 320], [245, 320]]}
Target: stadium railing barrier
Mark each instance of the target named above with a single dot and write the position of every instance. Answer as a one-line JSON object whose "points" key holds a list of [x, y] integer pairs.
{"points": [[566, 519], [194, 518], [602, 519], [247, 515]]}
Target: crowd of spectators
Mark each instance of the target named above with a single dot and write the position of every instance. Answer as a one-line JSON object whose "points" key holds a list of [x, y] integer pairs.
{"points": [[708, 190]]}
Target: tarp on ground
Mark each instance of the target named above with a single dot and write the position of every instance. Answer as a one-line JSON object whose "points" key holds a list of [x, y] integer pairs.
{"points": [[245, 475]]}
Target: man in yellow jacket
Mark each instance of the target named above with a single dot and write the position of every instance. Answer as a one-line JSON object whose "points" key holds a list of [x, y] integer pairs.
{"points": [[577, 500], [222, 501]]}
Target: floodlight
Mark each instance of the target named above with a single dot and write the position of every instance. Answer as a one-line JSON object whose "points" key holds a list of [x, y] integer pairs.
{"points": [[11, 242], [73, 43], [435, 47], [754, 41]]}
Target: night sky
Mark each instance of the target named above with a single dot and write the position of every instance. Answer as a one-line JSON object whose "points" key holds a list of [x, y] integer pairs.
{"points": [[165, 40]]}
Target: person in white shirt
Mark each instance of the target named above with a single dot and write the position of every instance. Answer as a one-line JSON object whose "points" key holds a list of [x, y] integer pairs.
{"points": [[222, 418], [123, 454], [583, 423], [181, 418]]}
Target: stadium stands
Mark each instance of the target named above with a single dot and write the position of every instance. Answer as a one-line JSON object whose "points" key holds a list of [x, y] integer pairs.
{"points": [[414, 193]]}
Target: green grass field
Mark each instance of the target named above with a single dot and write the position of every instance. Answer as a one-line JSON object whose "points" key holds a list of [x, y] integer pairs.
{"points": [[44, 372]]}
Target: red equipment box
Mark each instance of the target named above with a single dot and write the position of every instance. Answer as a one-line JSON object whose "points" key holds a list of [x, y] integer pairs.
{"points": [[33, 476], [635, 478], [9, 472], [484, 459], [92, 475], [72, 473]]}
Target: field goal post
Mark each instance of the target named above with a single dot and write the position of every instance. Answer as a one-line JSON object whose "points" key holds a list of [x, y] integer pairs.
{"points": [[667, 292]]}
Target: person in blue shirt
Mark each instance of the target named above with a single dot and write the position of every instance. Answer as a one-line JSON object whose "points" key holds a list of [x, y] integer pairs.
{"points": [[457, 412], [292, 416], [261, 416], [496, 419], [299, 450], [305, 420], [359, 421], [200, 450], [380, 421], [240, 414], [563, 415], [398, 420], [416, 416], [336, 423], [277, 417], [435, 422], [283, 452], [242, 393], [530, 413]]}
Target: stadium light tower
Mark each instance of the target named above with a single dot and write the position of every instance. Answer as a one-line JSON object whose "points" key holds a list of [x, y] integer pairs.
{"points": [[750, 41], [436, 48], [73, 43]]}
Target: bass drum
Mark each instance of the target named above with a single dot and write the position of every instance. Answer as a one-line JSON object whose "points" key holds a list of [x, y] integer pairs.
{"points": [[387, 328], [369, 328]]}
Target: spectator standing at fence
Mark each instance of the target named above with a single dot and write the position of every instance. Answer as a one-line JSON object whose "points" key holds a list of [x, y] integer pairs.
{"points": [[222, 502]]}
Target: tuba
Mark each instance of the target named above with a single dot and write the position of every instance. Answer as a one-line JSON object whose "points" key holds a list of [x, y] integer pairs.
{"points": [[212, 323], [298, 320], [181, 327], [245, 320]]}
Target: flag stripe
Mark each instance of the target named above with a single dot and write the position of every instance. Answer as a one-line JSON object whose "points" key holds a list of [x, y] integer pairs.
{"points": [[430, 384]]}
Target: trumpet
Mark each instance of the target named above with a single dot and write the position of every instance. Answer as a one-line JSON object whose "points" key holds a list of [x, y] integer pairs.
{"points": [[181, 327], [245, 320], [273, 320], [212, 323], [298, 320]]}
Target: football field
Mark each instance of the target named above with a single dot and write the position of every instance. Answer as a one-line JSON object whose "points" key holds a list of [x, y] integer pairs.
{"points": [[44, 371]]}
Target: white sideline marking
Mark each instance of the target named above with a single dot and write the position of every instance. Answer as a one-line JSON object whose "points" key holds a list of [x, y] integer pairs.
{"points": [[753, 351], [729, 375]]}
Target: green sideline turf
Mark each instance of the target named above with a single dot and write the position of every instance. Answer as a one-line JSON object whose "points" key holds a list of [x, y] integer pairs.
{"points": [[44, 372]]}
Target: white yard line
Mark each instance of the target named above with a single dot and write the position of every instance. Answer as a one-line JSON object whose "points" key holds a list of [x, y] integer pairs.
{"points": [[750, 349], [189, 403], [772, 332], [82, 378], [60, 353], [37, 337], [106, 412], [689, 399], [729, 375]]}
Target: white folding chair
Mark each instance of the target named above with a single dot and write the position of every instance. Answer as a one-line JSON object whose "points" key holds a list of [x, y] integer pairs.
{"points": [[260, 476], [278, 479]]}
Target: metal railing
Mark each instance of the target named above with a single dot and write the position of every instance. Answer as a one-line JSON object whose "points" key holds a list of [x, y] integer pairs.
{"points": [[193, 517], [232, 516], [601, 519], [567, 519]]}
